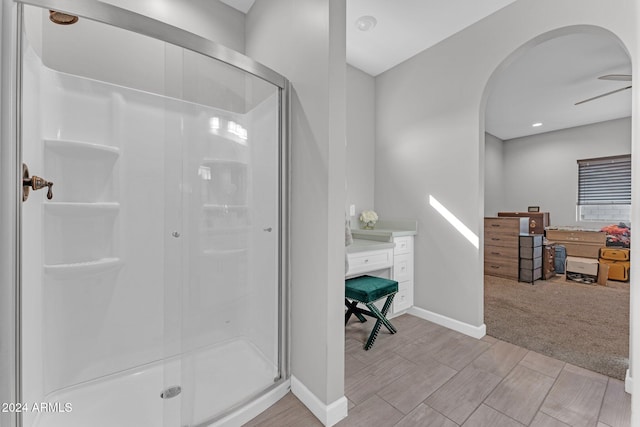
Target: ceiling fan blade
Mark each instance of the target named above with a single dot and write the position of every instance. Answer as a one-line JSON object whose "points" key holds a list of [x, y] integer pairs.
{"points": [[604, 94], [616, 77]]}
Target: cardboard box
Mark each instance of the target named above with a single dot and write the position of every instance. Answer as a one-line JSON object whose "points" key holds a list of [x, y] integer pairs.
{"points": [[582, 250], [618, 270], [603, 274], [586, 266]]}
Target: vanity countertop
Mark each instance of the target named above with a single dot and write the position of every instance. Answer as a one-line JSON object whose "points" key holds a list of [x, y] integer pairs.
{"points": [[363, 245], [387, 230]]}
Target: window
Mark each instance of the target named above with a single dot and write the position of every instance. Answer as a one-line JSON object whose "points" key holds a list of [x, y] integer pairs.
{"points": [[604, 189]]}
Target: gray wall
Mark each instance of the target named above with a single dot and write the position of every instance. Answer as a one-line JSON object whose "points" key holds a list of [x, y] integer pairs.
{"points": [[361, 116], [8, 232], [430, 138], [305, 41], [541, 170], [493, 175]]}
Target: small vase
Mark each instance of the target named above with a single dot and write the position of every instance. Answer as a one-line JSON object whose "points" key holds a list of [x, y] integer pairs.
{"points": [[368, 225]]}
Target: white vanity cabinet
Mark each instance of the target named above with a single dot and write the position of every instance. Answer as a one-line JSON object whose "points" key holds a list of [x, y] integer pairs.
{"points": [[402, 272], [366, 257]]}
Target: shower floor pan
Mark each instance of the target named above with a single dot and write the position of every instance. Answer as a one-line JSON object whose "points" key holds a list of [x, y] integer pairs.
{"points": [[221, 377]]}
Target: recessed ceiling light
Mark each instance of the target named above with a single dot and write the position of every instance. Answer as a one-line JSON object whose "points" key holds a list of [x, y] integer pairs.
{"points": [[536, 125], [366, 23]]}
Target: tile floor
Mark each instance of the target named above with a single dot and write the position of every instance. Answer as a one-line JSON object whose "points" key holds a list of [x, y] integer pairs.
{"points": [[427, 375]]}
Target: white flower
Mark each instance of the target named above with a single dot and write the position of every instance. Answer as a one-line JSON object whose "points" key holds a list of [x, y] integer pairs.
{"points": [[368, 216]]}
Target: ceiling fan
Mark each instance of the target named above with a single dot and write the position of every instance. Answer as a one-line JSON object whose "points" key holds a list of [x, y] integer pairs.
{"points": [[615, 77]]}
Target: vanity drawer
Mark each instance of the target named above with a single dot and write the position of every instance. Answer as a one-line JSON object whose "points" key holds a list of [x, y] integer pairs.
{"points": [[362, 262], [404, 298], [403, 267], [404, 245]]}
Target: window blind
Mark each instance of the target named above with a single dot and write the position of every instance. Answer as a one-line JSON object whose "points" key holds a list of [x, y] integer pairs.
{"points": [[605, 181]]}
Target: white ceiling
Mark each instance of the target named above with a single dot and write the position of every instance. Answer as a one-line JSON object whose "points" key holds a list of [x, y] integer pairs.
{"points": [[407, 27], [242, 5], [541, 86], [545, 83]]}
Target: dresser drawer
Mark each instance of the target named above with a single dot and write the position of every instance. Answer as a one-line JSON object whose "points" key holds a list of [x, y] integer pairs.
{"points": [[531, 252], [531, 241], [510, 226], [531, 264], [362, 262], [530, 275], [499, 252], [502, 239], [404, 245], [503, 268]]}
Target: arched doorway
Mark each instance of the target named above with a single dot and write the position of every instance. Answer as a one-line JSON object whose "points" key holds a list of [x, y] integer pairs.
{"points": [[539, 84]]}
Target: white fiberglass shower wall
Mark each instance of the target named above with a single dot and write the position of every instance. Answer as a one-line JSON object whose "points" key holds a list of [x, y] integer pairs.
{"points": [[153, 281]]}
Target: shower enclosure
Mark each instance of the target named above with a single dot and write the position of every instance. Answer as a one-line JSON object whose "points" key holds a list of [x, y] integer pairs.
{"points": [[151, 285]]}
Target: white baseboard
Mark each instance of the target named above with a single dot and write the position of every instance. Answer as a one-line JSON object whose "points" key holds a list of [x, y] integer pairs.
{"points": [[255, 408], [328, 415], [464, 328], [628, 383]]}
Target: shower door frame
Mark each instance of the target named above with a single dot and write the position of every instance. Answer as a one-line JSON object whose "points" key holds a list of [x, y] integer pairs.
{"points": [[11, 16]]}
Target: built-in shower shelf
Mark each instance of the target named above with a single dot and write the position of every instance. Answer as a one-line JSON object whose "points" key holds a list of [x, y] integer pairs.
{"points": [[82, 149], [226, 230], [210, 161], [74, 270], [224, 252], [74, 209], [224, 208]]}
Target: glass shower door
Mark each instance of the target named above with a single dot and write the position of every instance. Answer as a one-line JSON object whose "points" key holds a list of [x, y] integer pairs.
{"points": [[230, 228], [152, 281]]}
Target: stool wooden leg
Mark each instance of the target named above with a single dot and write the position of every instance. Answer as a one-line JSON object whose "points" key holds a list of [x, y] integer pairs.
{"points": [[382, 320]]}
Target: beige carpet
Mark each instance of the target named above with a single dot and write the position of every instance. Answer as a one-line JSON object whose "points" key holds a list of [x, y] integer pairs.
{"points": [[585, 325]]}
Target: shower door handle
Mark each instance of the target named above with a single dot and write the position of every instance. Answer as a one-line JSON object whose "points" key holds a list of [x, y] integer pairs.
{"points": [[267, 229], [35, 183]]}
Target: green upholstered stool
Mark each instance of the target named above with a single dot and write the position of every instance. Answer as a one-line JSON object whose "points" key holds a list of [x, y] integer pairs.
{"points": [[367, 290]]}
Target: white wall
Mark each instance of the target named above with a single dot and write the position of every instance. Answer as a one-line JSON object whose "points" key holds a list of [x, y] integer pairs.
{"points": [[361, 111], [430, 139], [493, 175], [146, 63], [541, 170], [210, 19], [305, 41]]}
